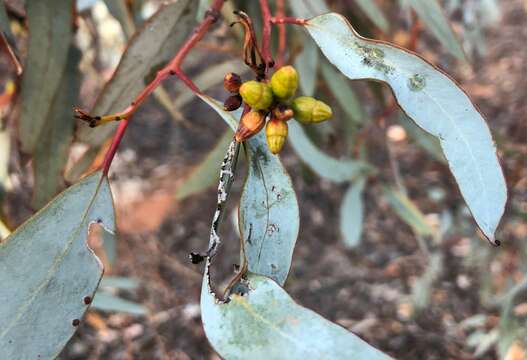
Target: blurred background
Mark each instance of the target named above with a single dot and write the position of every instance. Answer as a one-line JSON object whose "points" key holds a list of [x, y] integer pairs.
{"points": [[404, 268]]}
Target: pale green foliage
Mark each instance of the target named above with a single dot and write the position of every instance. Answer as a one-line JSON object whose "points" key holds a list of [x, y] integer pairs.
{"points": [[269, 215], [266, 323], [46, 270], [352, 213], [163, 34], [324, 165], [434, 102]]}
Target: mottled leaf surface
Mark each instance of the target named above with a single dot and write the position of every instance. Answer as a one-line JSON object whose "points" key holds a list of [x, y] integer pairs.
{"points": [[434, 102], [322, 164], [266, 323], [269, 215], [46, 270], [50, 33]]}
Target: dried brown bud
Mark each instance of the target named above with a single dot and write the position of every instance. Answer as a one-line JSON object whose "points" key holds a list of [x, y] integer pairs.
{"points": [[282, 113], [232, 103], [232, 82], [250, 124]]}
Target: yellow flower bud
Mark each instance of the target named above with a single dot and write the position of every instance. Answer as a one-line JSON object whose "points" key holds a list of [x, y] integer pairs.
{"points": [[310, 110], [276, 133], [284, 82], [250, 124], [257, 95]]}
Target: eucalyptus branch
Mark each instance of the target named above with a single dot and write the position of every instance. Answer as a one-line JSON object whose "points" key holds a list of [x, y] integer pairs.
{"points": [[173, 68]]}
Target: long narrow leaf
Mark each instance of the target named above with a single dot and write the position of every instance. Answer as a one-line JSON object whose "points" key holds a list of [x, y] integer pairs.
{"points": [[434, 102]]}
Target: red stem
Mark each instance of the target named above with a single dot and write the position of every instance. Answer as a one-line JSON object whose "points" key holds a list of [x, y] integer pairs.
{"points": [[173, 68], [282, 35], [288, 20], [118, 136], [266, 32]]}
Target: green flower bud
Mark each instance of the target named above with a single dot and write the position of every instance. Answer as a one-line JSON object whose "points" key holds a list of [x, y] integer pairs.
{"points": [[257, 95], [276, 133], [284, 82], [310, 110]]}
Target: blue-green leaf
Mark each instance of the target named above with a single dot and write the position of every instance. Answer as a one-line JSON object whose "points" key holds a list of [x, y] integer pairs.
{"points": [[433, 17], [408, 212], [206, 173], [422, 138], [50, 35], [118, 282], [324, 165], [306, 64], [46, 271], [344, 94], [434, 102], [352, 214], [269, 215], [51, 151], [308, 8], [423, 286], [371, 9], [106, 301], [266, 323], [152, 47]]}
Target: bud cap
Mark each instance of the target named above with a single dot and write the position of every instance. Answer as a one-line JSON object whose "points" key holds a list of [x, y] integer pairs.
{"points": [[250, 124], [284, 82], [310, 110], [276, 133], [257, 95]]}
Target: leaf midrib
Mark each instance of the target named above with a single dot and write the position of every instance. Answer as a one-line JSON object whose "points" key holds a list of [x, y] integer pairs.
{"points": [[53, 269]]}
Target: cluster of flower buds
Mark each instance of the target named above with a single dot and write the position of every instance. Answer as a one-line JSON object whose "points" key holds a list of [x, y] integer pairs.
{"points": [[272, 99]]}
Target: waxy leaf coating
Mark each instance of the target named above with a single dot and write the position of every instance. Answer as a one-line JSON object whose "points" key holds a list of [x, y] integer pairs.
{"points": [[434, 102]]}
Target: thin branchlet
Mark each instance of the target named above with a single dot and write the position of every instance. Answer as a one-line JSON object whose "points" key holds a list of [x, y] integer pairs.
{"points": [[227, 171]]}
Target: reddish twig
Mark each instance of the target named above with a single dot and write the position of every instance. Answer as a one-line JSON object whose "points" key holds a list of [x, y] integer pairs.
{"points": [[11, 53], [282, 35], [116, 141], [266, 33], [287, 20], [173, 68], [415, 32]]}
